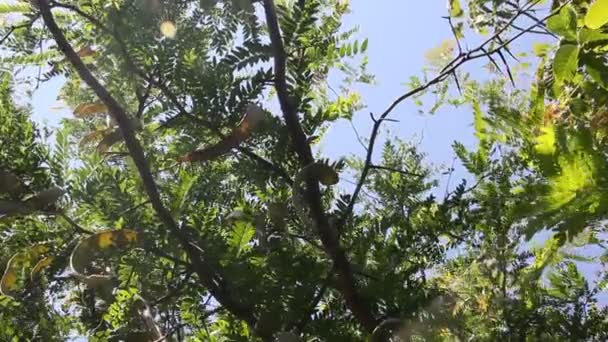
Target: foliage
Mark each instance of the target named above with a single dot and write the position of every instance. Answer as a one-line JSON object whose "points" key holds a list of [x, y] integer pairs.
{"points": [[181, 203]]}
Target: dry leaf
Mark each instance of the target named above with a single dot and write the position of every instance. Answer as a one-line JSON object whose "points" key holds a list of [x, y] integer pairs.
{"points": [[253, 116], [42, 264], [13, 279], [84, 110], [86, 51], [108, 140], [95, 135], [96, 245]]}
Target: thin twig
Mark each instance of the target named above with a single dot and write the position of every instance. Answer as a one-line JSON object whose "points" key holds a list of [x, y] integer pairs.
{"points": [[392, 169], [76, 226], [13, 28], [357, 135], [169, 94], [175, 291], [299, 327], [535, 19], [455, 33], [445, 72]]}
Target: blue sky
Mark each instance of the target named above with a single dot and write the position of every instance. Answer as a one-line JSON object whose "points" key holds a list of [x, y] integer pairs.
{"points": [[399, 33]]}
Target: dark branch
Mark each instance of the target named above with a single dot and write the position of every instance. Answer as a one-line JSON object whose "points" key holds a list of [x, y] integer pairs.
{"points": [[169, 94], [328, 234], [14, 28], [73, 223], [449, 69], [206, 274], [312, 307]]}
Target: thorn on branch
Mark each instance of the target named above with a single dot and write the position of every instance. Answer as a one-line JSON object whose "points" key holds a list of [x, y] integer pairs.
{"points": [[504, 60], [371, 115], [457, 82], [455, 33]]}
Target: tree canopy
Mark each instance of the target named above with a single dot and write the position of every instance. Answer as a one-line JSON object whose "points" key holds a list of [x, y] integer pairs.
{"points": [[188, 199]]}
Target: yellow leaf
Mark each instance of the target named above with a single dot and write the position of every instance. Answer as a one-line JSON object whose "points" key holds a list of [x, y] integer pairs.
{"points": [[482, 303], [97, 246], [84, 110], [105, 240], [42, 264], [130, 235], [13, 278], [40, 249], [9, 281], [95, 135], [597, 15]]}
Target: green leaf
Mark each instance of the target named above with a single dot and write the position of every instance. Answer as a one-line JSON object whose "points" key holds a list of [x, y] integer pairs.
{"points": [[564, 23], [586, 36], [455, 9], [14, 8], [479, 123], [240, 236], [364, 45], [540, 49], [577, 172], [597, 16], [545, 143], [565, 63], [597, 69]]}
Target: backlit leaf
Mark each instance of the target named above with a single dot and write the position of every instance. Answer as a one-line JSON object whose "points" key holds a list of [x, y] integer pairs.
{"points": [[564, 23], [241, 235], [253, 116], [97, 246], [6, 8], [455, 9], [597, 15], [85, 110], [545, 142], [565, 63]]}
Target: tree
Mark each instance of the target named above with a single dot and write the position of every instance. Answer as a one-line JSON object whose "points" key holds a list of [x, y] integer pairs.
{"points": [[186, 199]]}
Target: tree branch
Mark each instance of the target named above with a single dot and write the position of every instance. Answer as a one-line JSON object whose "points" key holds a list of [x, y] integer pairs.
{"points": [[17, 27], [206, 274], [479, 52], [301, 325], [169, 94], [328, 234], [392, 169]]}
